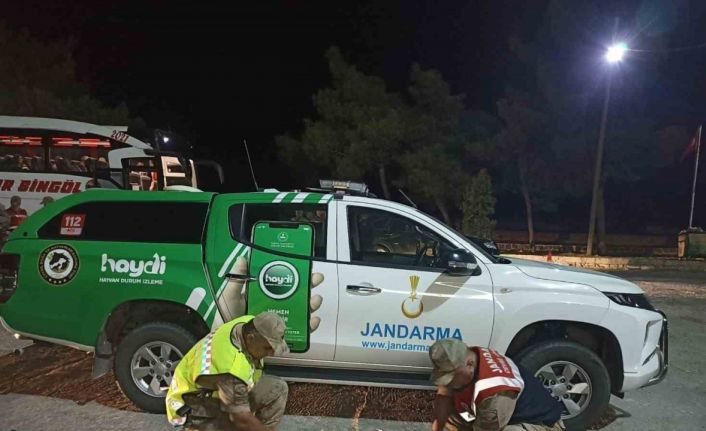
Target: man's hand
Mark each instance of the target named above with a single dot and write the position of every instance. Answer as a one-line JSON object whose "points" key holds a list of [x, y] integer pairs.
{"points": [[234, 297], [443, 408]]}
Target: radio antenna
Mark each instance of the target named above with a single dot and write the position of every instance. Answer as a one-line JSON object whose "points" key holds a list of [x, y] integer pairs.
{"points": [[408, 199], [252, 171]]}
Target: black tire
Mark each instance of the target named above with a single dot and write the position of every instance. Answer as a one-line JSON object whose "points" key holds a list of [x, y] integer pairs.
{"points": [[537, 356], [154, 332]]}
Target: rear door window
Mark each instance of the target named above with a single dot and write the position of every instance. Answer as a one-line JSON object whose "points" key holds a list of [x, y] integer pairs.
{"points": [[160, 222], [244, 216]]}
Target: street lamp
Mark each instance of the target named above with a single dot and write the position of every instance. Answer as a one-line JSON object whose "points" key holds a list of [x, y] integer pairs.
{"points": [[614, 54]]}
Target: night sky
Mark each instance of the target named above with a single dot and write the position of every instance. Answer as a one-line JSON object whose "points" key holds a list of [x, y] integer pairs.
{"points": [[221, 73]]}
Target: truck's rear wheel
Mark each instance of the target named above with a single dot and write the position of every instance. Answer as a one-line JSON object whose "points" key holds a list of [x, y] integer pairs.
{"points": [[146, 359], [575, 376]]}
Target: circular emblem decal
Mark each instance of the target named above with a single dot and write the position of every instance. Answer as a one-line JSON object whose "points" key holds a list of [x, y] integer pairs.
{"points": [[279, 280], [283, 236], [58, 264]]}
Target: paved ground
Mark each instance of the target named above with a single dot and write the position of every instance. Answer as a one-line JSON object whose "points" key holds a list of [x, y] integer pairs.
{"points": [[21, 415], [676, 403]]}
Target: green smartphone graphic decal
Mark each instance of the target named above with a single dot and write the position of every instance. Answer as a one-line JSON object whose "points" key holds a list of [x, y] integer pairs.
{"points": [[281, 283]]}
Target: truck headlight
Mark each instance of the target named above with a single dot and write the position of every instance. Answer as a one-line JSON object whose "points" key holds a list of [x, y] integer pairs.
{"points": [[635, 300]]}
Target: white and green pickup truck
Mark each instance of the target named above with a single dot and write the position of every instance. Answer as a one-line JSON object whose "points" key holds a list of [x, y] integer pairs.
{"points": [[138, 277]]}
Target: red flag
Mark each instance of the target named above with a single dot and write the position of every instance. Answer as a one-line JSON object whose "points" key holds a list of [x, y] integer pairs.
{"points": [[691, 148]]}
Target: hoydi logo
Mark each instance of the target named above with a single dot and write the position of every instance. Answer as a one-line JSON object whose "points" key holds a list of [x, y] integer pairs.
{"points": [[284, 280], [279, 280], [135, 268]]}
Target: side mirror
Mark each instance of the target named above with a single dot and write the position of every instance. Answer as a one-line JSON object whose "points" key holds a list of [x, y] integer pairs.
{"points": [[459, 262]]}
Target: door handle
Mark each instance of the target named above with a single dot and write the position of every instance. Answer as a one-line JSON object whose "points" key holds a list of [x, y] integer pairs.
{"points": [[363, 290]]}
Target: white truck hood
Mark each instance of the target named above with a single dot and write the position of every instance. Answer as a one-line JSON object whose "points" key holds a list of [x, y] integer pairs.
{"points": [[550, 271]]}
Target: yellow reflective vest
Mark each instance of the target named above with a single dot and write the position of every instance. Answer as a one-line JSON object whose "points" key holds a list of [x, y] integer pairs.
{"points": [[214, 354]]}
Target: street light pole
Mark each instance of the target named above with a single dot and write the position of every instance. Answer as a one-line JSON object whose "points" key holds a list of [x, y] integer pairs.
{"points": [[598, 169], [613, 55]]}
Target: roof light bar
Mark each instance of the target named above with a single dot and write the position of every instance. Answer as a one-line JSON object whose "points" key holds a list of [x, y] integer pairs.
{"points": [[344, 187]]}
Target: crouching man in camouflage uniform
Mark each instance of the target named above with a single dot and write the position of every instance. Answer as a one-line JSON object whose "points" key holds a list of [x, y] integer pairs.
{"points": [[219, 385], [481, 390]]}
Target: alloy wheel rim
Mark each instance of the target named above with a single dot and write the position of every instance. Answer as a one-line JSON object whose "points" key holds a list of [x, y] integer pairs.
{"points": [[152, 367], [569, 384]]}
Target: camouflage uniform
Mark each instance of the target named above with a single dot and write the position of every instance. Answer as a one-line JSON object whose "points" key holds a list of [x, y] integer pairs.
{"points": [[209, 410]]}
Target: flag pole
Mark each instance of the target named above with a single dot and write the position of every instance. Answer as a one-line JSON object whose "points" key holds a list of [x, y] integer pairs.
{"points": [[696, 173]]}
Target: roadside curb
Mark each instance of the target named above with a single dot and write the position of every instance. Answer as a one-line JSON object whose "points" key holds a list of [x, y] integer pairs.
{"points": [[620, 263]]}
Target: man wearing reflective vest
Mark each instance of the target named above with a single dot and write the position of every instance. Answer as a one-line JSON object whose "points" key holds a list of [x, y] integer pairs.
{"points": [[219, 385], [481, 390]]}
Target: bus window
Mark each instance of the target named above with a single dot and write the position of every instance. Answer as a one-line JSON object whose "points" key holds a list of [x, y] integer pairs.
{"points": [[78, 155], [21, 154]]}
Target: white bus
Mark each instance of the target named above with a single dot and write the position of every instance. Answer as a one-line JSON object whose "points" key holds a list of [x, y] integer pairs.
{"points": [[44, 159]]}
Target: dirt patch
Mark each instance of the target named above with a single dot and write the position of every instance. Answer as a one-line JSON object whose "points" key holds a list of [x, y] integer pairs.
{"points": [[55, 371], [61, 372], [360, 402]]}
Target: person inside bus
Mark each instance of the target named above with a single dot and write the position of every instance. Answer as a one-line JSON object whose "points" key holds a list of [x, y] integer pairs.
{"points": [[14, 162], [81, 164], [88, 164], [61, 164], [21, 164], [66, 165], [16, 212], [7, 161], [4, 225], [37, 163]]}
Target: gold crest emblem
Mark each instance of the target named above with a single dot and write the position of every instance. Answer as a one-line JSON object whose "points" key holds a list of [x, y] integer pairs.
{"points": [[412, 306]]}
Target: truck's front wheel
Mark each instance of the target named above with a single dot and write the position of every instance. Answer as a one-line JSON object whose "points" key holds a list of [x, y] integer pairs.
{"points": [[575, 376], [146, 359]]}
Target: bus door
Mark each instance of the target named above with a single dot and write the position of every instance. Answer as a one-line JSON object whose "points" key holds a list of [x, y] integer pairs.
{"points": [[142, 174], [176, 172]]}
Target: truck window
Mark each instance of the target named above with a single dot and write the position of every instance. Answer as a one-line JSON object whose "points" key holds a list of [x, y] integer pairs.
{"points": [[160, 222], [384, 238], [244, 216]]}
